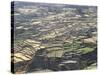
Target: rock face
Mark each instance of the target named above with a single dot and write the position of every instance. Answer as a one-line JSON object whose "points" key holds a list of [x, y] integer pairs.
{"points": [[48, 31]]}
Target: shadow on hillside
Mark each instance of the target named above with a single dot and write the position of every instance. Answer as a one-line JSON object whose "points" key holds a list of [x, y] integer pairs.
{"points": [[39, 63]]}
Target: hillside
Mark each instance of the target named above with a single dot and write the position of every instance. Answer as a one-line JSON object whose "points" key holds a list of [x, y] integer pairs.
{"points": [[65, 35]]}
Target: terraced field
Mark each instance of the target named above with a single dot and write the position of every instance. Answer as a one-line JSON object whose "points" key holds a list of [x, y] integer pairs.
{"points": [[53, 37]]}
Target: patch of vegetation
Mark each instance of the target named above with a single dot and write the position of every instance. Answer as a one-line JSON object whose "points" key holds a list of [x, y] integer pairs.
{"points": [[85, 50], [74, 46], [77, 45]]}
